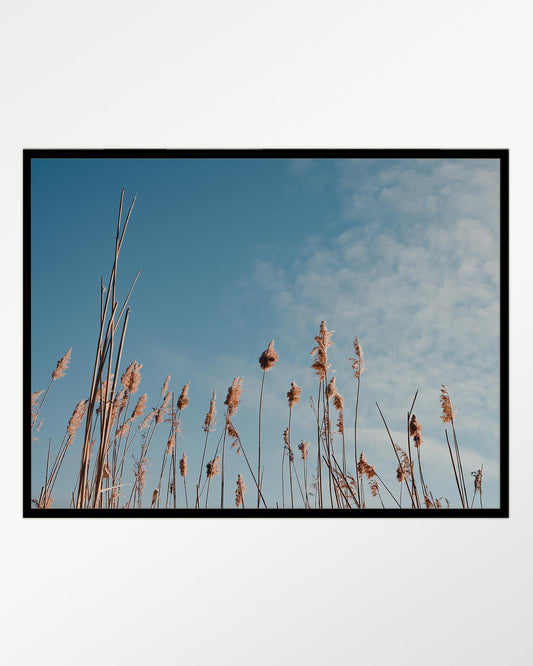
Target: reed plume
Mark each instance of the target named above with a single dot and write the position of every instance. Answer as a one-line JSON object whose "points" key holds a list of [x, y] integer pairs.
{"points": [[183, 466], [303, 447], [34, 406], [213, 467], [448, 413], [267, 360], [164, 388], [364, 469], [163, 410], [139, 407], [183, 399], [269, 357], [239, 493], [234, 436], [293, 394], [358, 364], [323, 341], [233, 396], [210, 418], [75, 420], [59, 371], [183, 473], [171, 443], [415, 430], [62, 366], [232, 403], [131, 377], [140, 468], [478, 477]]}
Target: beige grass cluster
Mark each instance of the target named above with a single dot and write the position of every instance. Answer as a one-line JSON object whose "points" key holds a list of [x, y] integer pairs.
{"points": [[213, 467], [131, 377], [239, 493], [303, 447], [210, 417], [62, 366], [183, 399], [415, 430], [233, 396], [269, 357], [293, 394], [448, 413], [364, 469], [358, 364], [320, 351]]}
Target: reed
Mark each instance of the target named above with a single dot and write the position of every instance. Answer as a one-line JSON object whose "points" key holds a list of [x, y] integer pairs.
{"points": [[267, 361]]}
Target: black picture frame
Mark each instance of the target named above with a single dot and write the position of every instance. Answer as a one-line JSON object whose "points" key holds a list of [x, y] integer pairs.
{"points": [[500, 154]]}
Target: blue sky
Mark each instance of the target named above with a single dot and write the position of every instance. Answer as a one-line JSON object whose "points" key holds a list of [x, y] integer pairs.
{"points": [[233, 253]]}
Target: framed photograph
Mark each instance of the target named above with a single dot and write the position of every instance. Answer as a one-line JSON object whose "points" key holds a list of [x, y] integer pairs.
{"points": [[266, 333]]}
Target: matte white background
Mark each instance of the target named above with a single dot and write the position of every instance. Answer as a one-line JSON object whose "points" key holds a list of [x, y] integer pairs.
{"points": [[277, 74]]}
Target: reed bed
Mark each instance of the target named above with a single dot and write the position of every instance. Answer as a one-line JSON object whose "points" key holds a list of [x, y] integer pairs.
{"points": [[118, 440]]}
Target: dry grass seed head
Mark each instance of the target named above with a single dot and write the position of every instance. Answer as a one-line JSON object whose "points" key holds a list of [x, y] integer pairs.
{"points": [[303, 447], [61, 366], [211, 414], [183, 465], [131, 377], [448, 413], [323, 341], [35, 398], [171, 443], [183, 400], [75, 420], [340, 423], [477, 480], [358, 364], [124, 429], [160, 413], [140, 472], [234, 435], [415, 430], [331, 390], [140, 407], [294, 394], [239, 493], [363, 468], [213, 467], [234, 395], [269, 357], [338, 402], [405, 470], [165, 385], [148, 419]]}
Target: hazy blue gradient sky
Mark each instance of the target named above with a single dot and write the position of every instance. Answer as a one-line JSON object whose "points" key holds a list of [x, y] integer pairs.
{"points": [[235, 252]]}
